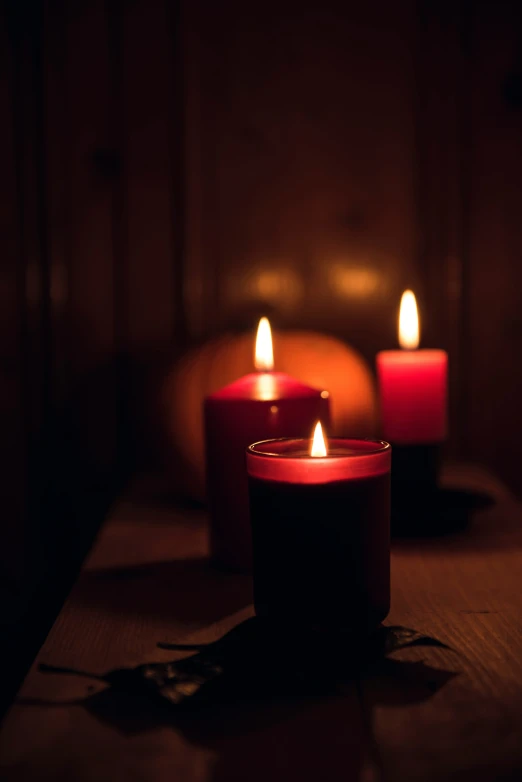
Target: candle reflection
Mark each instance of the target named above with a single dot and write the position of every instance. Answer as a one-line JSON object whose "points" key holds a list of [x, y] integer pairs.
{"points": [[266, 387]]}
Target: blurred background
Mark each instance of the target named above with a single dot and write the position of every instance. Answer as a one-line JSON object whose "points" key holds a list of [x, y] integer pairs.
{"points": [[172, 169]]}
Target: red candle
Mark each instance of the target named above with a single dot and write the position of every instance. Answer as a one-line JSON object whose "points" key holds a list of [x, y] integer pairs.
{"points": [[321, 539], [413, 385], [261, 405]]}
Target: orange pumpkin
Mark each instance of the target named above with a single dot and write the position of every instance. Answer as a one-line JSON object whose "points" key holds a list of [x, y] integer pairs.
{"points": [[319, 360]]}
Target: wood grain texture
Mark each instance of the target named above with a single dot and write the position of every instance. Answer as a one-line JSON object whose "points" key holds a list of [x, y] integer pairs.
{"points": [[305, 196], [494, 284], [441, 172], [148, 581], [466, 592], [206, 162], [151, 280], [457, 716], [57, 195], [15, 555], [148, 90], [93, 166], [33, 287]]}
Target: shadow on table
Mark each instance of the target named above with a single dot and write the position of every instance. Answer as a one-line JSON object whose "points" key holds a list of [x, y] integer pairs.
{"points": [[400, 683], [188, 590], [393, 683], [272, 737], [458, 520], [267, 714], [436, 513]]}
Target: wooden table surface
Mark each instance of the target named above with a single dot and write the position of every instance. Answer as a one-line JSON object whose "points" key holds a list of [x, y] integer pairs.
{"points": [[431, 714]]}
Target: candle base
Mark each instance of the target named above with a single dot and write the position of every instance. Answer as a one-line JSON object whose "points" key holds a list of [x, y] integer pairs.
{"points": [[419, 506], [414, 494], [415, 468]]}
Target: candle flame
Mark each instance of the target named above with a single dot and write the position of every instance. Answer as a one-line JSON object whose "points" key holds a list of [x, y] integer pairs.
{"points": [[318, 443], [408, 322], [264, 353]]}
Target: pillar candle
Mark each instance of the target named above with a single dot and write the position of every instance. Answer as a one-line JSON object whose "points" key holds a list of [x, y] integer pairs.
{"points": [[413, 385], [261, 405]]}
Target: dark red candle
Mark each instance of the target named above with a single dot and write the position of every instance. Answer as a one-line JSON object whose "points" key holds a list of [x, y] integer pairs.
{"points": [[264, 404], [320, 527]]}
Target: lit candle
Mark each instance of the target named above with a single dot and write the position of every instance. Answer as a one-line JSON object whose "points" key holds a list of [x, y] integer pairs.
{"points": [[413, 385], [320, 515], [260, 405]]}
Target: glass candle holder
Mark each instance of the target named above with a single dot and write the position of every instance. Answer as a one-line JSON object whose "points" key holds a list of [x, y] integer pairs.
{"points": [[321, 532]]}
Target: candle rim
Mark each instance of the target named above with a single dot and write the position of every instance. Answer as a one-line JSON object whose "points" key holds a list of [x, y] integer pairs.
{"points": [[332, 443], [299, 467], [300, 390], [412, 351]]}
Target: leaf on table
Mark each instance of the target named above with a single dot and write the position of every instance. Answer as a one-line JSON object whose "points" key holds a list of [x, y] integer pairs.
{"points": [[255, 659], [398, 637]]}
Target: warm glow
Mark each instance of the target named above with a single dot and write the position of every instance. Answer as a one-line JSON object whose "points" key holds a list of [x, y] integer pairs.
{"points": [[408, 322], [354, 282], [264, 354], [318, 443]]}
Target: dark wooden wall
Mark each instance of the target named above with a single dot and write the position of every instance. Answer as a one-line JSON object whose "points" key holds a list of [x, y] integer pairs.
{"points": [[492, 289], [337, 153], [305, 172], [91, 218], [173, 169]]}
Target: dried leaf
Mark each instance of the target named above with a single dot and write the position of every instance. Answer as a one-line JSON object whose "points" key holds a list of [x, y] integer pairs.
{"points": [[398, 637], [258, 659]]}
